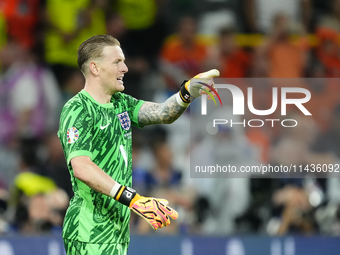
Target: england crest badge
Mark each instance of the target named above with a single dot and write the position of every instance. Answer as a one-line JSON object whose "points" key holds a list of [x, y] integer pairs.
{"points": [[124, 119]]}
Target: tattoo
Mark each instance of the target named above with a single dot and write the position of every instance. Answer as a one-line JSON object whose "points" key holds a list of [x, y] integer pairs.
{"points": [[167, 112]]}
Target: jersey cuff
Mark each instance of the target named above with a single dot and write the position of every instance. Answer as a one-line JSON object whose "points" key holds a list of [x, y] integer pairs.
{"points": [[78, 153], [136, 111]]}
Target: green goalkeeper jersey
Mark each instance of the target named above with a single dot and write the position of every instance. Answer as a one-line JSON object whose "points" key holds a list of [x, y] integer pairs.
{"points": [[102, 132]]}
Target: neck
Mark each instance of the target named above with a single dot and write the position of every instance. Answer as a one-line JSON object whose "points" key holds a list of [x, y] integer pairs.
{"points": [[97, 93]]}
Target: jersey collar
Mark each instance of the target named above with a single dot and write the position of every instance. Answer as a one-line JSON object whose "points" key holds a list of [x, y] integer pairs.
{"points": [[86, 94]]}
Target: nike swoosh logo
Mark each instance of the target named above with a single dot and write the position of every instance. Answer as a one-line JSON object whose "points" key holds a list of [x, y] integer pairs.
{"points": [[103, 127]]}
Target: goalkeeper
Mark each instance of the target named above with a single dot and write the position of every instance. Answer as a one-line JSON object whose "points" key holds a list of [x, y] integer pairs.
{"points": [[95, 133]]}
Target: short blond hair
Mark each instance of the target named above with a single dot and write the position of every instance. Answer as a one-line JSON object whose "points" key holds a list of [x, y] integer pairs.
{"points": [[93, 48]]}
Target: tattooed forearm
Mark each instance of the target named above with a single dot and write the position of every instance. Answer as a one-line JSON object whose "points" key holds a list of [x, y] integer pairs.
{"points": [[153, 113]]}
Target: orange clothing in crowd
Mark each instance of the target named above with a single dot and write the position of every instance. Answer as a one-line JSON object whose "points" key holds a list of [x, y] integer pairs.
{"points": [[187, 59], [287, 60], [21, 18], [235, 65], [327, 51]]}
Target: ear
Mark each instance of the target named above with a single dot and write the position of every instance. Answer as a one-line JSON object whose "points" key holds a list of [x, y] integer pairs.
{"points": [[94, 68]]}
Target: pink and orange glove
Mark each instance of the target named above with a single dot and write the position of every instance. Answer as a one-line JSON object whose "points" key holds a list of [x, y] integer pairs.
{"points": [[154, 210]]}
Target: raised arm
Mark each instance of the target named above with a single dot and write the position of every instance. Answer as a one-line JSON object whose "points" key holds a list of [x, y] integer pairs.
{"points": [[169, 111]]}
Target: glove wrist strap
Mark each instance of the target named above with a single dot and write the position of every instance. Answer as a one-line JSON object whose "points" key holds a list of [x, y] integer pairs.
{"points": [[180, 101], [125, 195], [184, 93]]}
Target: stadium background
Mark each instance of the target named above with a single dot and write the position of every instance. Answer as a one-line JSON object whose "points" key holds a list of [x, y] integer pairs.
{"points": [[165, 42]]}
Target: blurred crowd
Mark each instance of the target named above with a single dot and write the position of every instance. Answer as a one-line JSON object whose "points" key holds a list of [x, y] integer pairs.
{"points": [[166, 42]]}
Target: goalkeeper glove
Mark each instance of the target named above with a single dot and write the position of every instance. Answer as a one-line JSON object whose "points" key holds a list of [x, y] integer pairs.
{"points": [[196, 87], [155, 211]]}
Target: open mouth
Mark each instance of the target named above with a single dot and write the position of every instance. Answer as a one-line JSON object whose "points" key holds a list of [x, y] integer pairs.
{"points": [[120, 79]]}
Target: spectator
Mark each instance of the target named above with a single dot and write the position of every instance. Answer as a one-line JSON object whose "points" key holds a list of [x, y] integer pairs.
{"points": [[284, 58], [38, 220], [41, 213], [29, 182], [28, 207], [22, 18], [162, 175], [327, 32], [80, 20], [58, 202], [296, 217], [39, 205], [295, 199], [29, 98], [232, 61], [327, 51], [183, 54]]}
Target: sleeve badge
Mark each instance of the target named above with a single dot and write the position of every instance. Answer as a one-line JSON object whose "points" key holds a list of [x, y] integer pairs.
{"points": [[72, 135]]}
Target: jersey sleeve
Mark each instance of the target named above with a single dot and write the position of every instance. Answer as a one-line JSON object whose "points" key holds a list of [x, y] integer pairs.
{"points": [[75, 131]]}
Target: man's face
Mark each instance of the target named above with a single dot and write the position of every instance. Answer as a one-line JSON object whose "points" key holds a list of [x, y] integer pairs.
{"points": [[112, 68]]}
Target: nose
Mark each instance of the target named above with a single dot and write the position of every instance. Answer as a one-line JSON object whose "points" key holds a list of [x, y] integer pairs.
{"points": [[124, 68]]}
